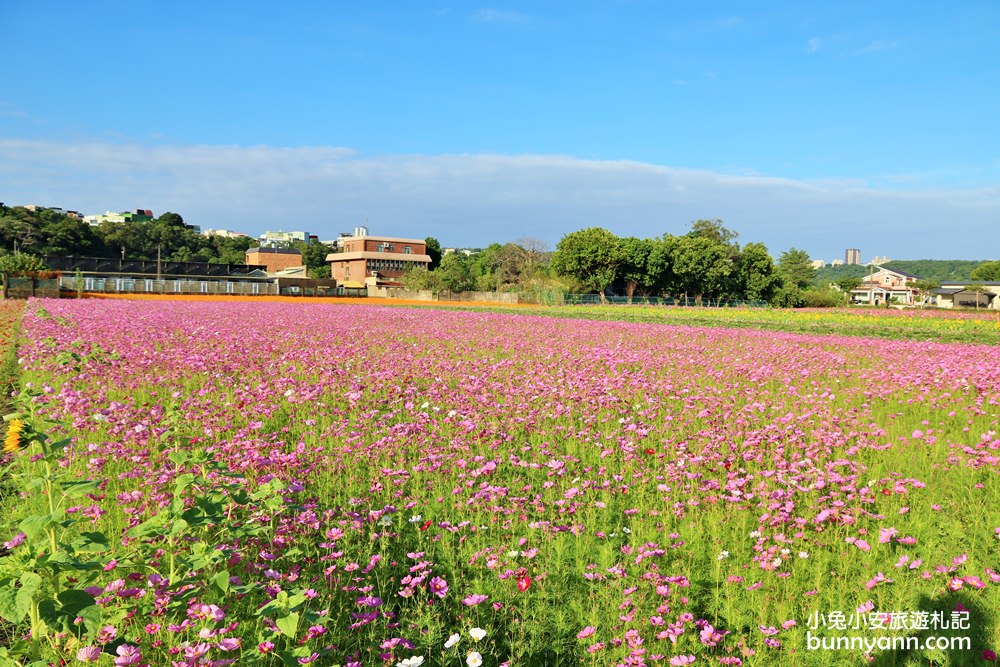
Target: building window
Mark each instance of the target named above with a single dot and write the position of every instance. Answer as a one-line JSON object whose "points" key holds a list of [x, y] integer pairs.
{"points": [[380, 247], [406, 250]]}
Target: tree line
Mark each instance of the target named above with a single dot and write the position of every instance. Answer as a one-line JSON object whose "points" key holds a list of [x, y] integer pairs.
{"points": [[705, 264], [29, 235]]}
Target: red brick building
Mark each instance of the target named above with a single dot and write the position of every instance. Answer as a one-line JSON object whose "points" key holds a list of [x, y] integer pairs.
{"points": [[275, 259], [384, 258]]}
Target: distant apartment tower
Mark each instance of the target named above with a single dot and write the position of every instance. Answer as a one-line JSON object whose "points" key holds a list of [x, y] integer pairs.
{"points": [[852, 256]]}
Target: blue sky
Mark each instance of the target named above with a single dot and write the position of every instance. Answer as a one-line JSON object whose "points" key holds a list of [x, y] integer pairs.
{"points": [[815, 125]]}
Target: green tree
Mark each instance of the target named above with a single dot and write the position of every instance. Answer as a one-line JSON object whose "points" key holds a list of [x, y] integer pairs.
{"points": [[590, 256], [19, 228], [434, 251], [314, 257], [703, 266], [756, 278], [714, 230], [795, 268], [229, 250], [660, 265], [634, 269], [422, 279], [923, 287], [987, 271], [797, 275], [123, 237], [19, 263], [484, 268], [456, 273], [849, 283], [62, 235]]}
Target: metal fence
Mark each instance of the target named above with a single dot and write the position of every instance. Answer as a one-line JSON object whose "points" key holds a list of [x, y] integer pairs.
{"points": [[24, 287], [84, 284]]}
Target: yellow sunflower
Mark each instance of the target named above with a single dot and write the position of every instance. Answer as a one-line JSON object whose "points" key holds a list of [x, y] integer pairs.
{"points": [[13, 442]]}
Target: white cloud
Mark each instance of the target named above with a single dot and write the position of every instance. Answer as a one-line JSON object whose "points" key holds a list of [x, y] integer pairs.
{"points": [[488, 15], [477, 199], [814, 45]]}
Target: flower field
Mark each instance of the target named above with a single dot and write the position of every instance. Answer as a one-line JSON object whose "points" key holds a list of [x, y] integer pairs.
{"points": [[199, 483]]}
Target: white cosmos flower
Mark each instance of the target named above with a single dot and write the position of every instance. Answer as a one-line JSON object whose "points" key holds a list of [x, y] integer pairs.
{"points": [[474, 660], [477, 634], [454, 639]]}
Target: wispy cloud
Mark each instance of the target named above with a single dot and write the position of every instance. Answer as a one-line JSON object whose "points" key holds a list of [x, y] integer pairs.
{"points": [[477, 199], [489, 15], [878, 45], [814, 45]]}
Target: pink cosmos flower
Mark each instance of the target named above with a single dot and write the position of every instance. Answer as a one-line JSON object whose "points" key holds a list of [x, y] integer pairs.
{"points": [[474, 599], [127, 655], [88, 654], [681, 660], [710, 636], [586, 632], [438, 587], [16, 541]]}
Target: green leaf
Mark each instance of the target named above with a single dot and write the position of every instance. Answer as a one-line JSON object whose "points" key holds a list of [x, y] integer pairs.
{"points": [[55, 447], [9, 609], [51, 615], [149, 526], [89, 542], [178, 527], [78, 489], [288, 625], [73, 601], [35, 524], [91, 618], [183, 482], [30, 583], [221, 581], [178, 458]]}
